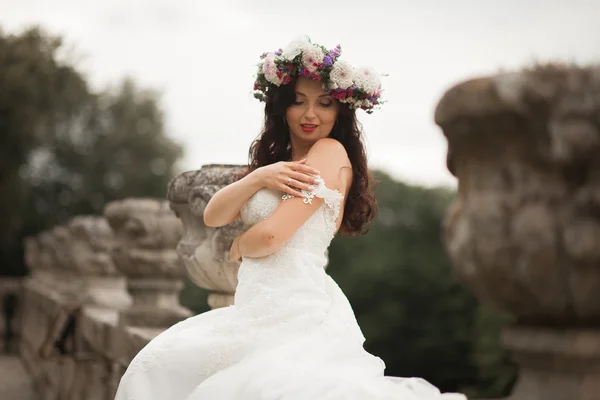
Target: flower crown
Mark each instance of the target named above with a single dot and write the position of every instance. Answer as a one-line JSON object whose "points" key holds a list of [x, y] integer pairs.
{"points": [[359, 88]]}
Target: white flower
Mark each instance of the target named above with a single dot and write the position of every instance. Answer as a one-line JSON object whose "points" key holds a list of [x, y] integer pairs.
{"points": [[269, 68], [367, 79], [295, 47], [341, 75], [312, 55]]}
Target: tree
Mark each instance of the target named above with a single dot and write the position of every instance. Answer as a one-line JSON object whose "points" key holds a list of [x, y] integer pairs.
{"points": [[38, 92], [65, 150], [119, 150]]}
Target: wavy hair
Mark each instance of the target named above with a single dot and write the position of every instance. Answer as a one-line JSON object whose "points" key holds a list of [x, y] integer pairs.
{"points": [[273, 145]]}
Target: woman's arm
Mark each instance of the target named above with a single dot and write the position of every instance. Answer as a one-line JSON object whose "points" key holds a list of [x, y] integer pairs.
{"points": [[266, 237], [224, 206]]}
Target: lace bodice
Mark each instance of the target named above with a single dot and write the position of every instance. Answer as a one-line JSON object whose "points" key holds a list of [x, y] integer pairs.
{"points": [[318, 231]]}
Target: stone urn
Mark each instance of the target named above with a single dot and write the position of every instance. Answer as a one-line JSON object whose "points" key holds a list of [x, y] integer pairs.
{"points": [[524, 231], [146, 234], [205, 250]]}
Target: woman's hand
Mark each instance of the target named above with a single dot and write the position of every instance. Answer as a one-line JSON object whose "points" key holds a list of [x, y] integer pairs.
{"points": [[234, 252], [287, 177]]}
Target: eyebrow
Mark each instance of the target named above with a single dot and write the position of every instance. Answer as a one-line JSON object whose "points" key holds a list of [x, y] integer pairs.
{"points": [[302, 94]]}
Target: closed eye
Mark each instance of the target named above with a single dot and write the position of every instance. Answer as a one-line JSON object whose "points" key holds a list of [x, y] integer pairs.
{"points": [[327, 104]]}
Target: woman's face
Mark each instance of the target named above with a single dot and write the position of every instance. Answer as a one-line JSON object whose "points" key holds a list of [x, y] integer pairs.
{"points": [[313, 114]]}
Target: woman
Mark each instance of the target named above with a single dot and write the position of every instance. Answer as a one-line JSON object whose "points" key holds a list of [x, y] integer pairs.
{"points": [[291, 333]]}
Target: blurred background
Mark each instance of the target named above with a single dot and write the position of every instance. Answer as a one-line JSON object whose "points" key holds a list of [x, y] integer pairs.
{"points": [[105, 100]]}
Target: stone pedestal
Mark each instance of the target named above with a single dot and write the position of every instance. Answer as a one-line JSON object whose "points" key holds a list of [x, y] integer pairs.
{"points": [[524, 232], [146, 233], [156, 303], [555, 363], [205, 250]]}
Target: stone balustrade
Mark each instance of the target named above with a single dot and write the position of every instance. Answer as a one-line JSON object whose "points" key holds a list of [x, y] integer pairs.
{"points": [[101, 287], [524, 232]]}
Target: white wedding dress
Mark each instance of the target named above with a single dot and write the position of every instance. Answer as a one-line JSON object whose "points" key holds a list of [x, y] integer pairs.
{"points": [[291, 334]]}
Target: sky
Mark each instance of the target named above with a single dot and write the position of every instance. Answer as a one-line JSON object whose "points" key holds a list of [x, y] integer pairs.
{"points": [[201, 56]]}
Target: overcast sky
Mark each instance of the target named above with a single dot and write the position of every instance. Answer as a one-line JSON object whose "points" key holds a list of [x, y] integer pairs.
{"points": [[202, 55]]}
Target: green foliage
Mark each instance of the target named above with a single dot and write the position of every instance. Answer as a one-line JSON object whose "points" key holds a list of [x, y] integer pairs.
{"points": [[65, 150], [37, 94], [497, 373], [194, 298]]}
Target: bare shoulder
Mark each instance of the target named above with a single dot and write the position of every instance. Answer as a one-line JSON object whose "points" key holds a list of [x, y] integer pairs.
{"points": [[330, 157], [329, 147]]}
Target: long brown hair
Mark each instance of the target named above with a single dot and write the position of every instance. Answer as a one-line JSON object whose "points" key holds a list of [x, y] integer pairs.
{"points": [[273, 145]]}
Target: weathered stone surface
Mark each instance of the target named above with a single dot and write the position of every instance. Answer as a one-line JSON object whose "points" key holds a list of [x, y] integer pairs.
{"points": [[524, 232], [94, 273], [555, 364], [15, 384], [90, 246], [205, 250], [76, 258], [47, 258], [96, 355], [43, 303], [32, 253], [146, 234]]}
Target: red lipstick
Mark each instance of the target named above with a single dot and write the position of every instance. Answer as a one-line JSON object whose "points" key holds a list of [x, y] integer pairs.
{"points": [[308, 127]]}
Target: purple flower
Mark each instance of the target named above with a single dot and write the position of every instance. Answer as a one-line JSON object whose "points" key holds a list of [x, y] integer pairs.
{"points": [[279, 52], [327, 61], [334, 53]]}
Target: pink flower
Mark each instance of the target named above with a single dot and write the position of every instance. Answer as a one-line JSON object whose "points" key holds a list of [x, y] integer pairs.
{"points": [[312, 56], [269, 69], [341, 95]]}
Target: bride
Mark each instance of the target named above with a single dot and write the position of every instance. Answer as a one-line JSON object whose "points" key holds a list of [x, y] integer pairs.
{"points": [[291, 333]]}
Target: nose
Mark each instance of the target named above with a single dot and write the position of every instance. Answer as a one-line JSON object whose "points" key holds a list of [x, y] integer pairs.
{"points": [[310, 112]]}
